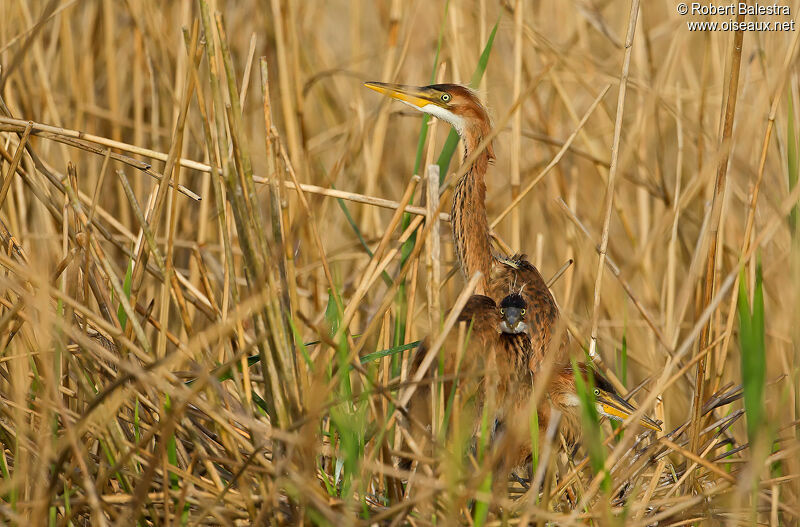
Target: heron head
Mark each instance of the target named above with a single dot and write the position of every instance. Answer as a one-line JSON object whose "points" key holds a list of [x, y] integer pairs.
{"points": [[606, 399], [512, 314], [453, 103], [615, 407]]}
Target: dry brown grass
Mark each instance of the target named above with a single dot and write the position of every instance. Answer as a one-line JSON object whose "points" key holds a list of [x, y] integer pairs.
{"points": [[116, 408]]}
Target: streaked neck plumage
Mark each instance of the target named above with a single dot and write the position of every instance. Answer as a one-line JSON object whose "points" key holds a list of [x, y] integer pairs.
{"points": [[468, 215]]}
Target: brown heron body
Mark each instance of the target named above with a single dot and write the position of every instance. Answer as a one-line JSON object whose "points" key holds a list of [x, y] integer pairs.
{"points": [[498, 372], [502, 355], [479, 313], [461, 107], [518, 274], [499, 354], [507, 378]]}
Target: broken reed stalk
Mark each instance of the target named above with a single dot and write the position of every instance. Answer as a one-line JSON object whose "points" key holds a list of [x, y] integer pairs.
{"points": [[516, 125], [434, 247]]}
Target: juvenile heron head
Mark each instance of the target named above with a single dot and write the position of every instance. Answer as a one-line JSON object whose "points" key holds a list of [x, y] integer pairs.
{"points": [[607, 401], [512, 314], [615, 407]]}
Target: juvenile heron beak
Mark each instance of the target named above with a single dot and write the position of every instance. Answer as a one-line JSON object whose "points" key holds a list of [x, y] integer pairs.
{"points": [[512, 320], [615, 407], [513, 316], [416, 96]]}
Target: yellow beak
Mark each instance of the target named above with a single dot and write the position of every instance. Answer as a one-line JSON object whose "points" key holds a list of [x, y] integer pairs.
{"points": [[616, 407], [417, 96]]}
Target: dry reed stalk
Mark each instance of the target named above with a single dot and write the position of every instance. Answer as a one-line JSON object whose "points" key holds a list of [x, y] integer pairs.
{"points": [[516, 125], [716, 211], [287, 95], [112, 88], [561, 270], [172, 213], [612, 173], [434, 248], [671, 324], [278, 212]]}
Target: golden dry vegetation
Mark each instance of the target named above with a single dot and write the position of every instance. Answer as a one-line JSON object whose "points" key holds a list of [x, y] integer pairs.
{"points": [[208, 295]]}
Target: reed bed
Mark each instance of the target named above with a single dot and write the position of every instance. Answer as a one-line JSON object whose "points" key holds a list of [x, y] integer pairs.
{"points": [[219, 252]]}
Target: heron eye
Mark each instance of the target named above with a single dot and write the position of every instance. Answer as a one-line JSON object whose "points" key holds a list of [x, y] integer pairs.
{"points": [[522, 312], [502, 311], [596, 392], [445, 97]]}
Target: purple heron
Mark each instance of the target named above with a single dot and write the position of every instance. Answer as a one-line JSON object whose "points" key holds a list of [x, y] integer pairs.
{"points": [[461, 107], [479, 314], [497, 355]]}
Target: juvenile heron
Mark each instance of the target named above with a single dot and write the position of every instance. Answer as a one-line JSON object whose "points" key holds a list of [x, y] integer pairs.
{"points": [[480, 314], [501, 352], [497, 356], [560, 388]]}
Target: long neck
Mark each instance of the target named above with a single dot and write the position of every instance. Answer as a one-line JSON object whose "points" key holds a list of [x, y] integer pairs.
{"points": [[468, 216]]}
